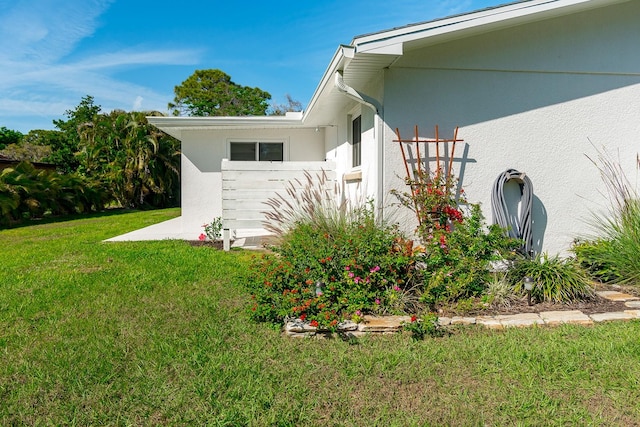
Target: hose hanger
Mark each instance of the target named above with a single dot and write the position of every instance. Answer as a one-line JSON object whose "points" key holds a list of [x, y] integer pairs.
{"points": [[520, 228]]}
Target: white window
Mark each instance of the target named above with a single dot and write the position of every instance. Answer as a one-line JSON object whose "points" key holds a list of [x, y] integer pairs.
{"points": [[256, 151]]}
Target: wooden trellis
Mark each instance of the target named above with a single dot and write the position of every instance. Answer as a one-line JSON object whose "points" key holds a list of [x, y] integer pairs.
{"points": [[448, 169]]}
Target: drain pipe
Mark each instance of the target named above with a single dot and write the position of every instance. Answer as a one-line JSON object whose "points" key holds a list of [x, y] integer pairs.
{"points": [[376, 106], [355, 95]]}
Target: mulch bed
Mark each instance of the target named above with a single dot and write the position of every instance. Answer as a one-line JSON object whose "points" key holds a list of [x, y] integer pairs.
{"points": [[208, 243], [595, 305]]}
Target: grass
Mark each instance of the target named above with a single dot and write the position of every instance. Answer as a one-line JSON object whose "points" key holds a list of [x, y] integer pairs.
{"points": [[156, 333]]}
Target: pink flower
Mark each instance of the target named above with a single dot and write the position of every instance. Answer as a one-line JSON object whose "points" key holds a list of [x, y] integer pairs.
{"points": [[202, 237], [347, 268], [357, 279], [351, 274], [358, 313], [396, 288], [375, 269], [377, 301]]}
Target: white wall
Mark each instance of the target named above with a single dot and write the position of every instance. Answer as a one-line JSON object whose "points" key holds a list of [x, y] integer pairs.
{"points": [[202, 154], [528, 98]]}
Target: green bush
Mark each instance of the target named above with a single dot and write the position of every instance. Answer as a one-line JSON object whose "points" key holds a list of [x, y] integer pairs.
{"points": [[329, 271], [555, 279], [597, 257], [457, 261], [613, 254], [26, 192]]}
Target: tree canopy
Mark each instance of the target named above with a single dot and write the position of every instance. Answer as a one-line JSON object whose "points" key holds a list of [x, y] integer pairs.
{"points": [[212, 93], [282, 109], [8, 136]]}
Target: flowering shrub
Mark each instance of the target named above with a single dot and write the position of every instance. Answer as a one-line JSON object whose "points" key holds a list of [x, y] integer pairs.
{"points": [[457, 262], [212, 231], [329, 273], [435, 198], [459, 247]]}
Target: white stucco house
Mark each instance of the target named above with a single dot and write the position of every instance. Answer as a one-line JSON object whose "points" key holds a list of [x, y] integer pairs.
{"points": [[529, 84]]}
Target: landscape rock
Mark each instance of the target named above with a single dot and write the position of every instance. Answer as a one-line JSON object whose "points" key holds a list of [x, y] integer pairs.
{"points": [[520, 320], [616, 296], [571, 316], [489, 322], [616, 315], [383, 323]]}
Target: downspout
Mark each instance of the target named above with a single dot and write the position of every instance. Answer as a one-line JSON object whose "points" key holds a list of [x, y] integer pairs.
{"points": [[355, 95], [377, 108]]}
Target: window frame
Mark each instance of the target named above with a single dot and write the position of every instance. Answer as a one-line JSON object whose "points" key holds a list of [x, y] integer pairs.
{"points": [[257, 142], [356, 141]]}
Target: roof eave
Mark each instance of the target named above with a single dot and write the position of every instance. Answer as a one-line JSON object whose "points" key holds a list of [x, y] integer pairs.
{"points": [[174, 126], [479, 21]]}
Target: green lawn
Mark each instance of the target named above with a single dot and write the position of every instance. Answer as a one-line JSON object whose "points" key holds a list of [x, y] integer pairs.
{"points": [[155, 333]]}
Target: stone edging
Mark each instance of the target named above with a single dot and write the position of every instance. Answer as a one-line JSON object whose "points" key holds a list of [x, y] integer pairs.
{"points": [[393, 324]]}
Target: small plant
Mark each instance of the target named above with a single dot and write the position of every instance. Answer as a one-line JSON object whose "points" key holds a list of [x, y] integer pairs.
{"points": [[500, 292], [212, 231], [555, 279], [420, 327]]}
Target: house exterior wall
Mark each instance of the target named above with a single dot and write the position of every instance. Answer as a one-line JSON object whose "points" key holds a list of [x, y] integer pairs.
{"points": [[202, 154], [359, 183], [529, 98]]}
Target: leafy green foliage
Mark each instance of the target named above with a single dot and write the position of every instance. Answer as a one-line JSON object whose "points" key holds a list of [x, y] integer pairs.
{"points": [[457, 262], [26, 192], [26, 150], [421, 327], [599, 258], [8, 136], [555, 279], [616, 255], [329, 271], [212, 230], [212, 93], [459, 247], [66, 144], [62, 148], [135, 161], [613, 254]]}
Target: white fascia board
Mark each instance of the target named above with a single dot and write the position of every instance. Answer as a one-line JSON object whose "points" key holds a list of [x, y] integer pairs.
{"points": [[174, 126], [501, 15]]}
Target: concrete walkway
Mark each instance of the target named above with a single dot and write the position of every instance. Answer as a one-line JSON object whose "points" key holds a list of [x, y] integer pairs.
{"points": [[173, 229]]}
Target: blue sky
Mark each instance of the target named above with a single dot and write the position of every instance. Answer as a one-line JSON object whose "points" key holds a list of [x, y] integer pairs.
{"points": [[130, 54]]}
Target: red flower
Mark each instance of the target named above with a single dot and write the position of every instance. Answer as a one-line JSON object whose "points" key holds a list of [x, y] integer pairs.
{"points": [[303, 316], [413, 319], [202, 236], [314, 323]]}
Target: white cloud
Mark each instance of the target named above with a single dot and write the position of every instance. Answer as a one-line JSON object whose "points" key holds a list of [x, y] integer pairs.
{"points": [[137, 104], [36, 78]]}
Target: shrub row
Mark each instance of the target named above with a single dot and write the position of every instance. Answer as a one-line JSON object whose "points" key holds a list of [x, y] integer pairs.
{"points": [[27, 192]]}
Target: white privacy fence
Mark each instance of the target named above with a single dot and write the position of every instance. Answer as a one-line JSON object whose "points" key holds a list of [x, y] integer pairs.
{"points": [[247, 186]]}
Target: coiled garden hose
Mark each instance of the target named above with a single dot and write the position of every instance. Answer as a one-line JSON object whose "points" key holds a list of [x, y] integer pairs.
{"points": [[521, 229]]}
